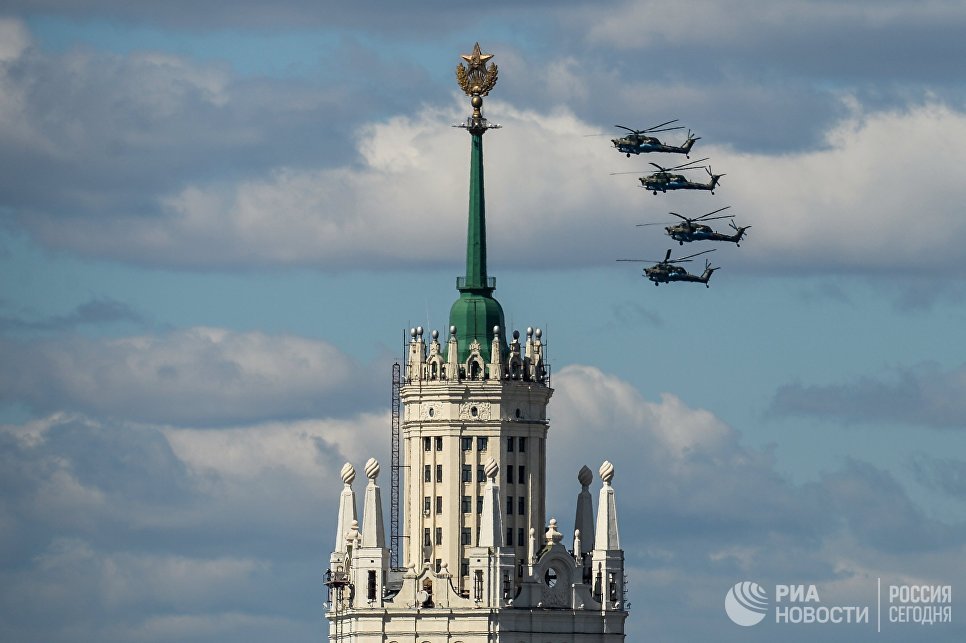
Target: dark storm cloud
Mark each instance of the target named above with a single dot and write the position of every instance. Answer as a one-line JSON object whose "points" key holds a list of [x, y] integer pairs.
{"points": [[924, 395]]}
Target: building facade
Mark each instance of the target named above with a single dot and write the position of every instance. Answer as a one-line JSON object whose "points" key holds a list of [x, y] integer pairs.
{"points": [[480, 561]]}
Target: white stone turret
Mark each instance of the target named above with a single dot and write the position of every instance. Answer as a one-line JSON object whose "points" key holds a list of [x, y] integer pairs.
{"points": [[373, 533], [369, 565], [607, 556], [347, 513], [491, 520]]}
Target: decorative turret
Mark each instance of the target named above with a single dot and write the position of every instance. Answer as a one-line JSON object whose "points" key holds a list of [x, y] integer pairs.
{"points": [[476, 312]]}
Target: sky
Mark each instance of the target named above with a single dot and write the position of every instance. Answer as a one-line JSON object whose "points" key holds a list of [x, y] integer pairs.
{"points": [[217, 221]]}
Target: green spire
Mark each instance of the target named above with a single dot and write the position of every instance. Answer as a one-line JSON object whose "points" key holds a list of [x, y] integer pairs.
{"points": [[476, 312]]}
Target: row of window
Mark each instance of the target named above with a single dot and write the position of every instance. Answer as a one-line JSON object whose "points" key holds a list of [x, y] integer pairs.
{"points": [[521, 476], [512, 444], [435, 537]]}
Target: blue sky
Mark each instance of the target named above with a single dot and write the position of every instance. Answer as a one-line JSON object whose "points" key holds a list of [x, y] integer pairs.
{"points": [[215, 223]]}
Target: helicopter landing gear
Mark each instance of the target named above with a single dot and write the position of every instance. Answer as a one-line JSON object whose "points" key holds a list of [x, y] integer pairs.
{"points": [[628, 155]]}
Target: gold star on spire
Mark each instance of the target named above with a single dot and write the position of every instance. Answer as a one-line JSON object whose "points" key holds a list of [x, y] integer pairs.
{"points": [[477, 59]]}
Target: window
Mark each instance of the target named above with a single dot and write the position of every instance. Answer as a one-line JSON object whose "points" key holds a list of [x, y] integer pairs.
{"points": [[371, 586], [439, 444], [426, 541], [509, 506], [439, 473], [427, 444], [509, 537], [439, 504], [465, 536], [439, 535], [521, 537], [467, 444], [479, 504], [467, 473], [522, 474], [426, 504], [480, 474], [481, 444], [522, 444], [426, 474], [465, 567], [522, 505], [467, 505], [439, 564], [509, 474], [509, 445]]}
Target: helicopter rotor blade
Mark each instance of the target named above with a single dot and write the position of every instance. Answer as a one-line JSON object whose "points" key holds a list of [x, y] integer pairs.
{"points": [[619, 173], [715, 212], [680, 216], [666, 129], [690, 165], [634, 131], [667, 256], [654, 128], [688, 258], [662, 169], [641, 225], [640, 260]]}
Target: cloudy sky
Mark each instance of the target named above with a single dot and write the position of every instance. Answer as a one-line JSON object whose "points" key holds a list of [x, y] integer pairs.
{"points": [[217, 219]]}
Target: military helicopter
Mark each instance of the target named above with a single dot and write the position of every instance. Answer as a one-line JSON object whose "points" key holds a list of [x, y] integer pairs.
{"points": [[638, 140], [692, 230], [663, 180], [665, 271]]}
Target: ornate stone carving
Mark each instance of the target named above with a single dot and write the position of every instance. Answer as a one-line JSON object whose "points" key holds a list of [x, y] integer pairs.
{"points": [[475, 411], [430, 410]]}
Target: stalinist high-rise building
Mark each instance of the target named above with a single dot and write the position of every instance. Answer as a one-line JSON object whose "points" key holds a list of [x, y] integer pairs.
{"points": [[478, 559]]}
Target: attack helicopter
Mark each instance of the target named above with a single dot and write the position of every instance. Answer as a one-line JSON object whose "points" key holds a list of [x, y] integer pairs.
{"points": [[638, 141], [695, 230], [665, 271], [664, 180]]}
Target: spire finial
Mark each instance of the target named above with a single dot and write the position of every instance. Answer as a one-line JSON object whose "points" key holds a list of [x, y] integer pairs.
{"points": [[476, 81]]}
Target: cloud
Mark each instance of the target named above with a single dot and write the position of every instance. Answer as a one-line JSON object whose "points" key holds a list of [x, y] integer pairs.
{"points": [[923, 395], [199, 376], [947, 475], [96, 311], [226, 529], [699, 511], [124, 532]]}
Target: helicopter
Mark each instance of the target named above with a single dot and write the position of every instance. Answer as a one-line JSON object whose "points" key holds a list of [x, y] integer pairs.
{"points": [[638, 140], [692, 230], [665, 271], [663, 180]]}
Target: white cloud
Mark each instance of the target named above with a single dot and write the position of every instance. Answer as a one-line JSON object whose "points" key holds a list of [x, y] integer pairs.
{"points": [[195, 376], [847, 206]]}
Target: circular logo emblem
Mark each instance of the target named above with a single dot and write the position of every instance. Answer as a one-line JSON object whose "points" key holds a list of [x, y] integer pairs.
{"points": [[746, 603]]}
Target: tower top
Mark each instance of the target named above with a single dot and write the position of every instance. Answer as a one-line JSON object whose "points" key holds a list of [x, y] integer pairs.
{"points": [[476, 312]]}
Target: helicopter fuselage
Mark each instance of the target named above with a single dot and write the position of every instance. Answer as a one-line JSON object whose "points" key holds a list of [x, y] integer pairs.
{"points": [[662, 182], [631, 145], [682, 235], [663, 273]]}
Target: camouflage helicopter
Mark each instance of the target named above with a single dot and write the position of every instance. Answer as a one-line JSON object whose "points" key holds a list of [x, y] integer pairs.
{"points": [[665, 271], [638, 141], [692, 230], [664, 180]]}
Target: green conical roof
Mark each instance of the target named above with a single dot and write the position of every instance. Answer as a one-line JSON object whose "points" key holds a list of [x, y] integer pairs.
{"points": [[476, 312]]}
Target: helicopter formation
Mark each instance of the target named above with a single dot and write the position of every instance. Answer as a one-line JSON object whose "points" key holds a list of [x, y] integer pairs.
{"points": [[688, 229]]}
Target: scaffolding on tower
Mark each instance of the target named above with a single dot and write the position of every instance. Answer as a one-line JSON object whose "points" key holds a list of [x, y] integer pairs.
{"points": [[395, 470]]}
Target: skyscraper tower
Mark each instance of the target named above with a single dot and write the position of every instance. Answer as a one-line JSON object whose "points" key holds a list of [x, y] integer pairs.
{"points": [[481, 563]]}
